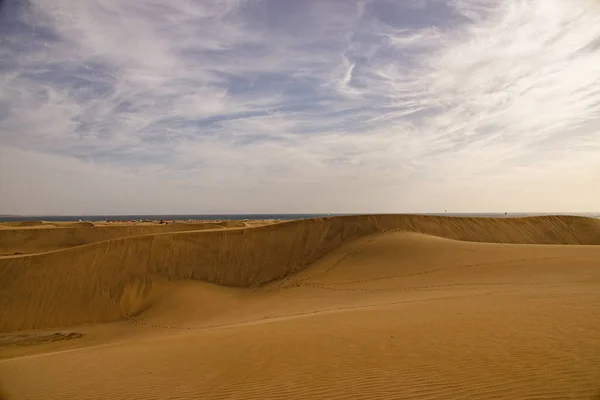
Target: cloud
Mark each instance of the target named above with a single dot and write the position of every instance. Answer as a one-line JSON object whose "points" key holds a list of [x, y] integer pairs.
{"points": [[287, 106]]}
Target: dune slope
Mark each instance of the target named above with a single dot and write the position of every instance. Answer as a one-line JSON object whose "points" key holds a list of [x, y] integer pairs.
{"points": [[385, 316], [117, 277]]}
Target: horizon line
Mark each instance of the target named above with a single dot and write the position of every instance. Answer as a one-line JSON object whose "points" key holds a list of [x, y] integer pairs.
{"points": [[297, 213]]}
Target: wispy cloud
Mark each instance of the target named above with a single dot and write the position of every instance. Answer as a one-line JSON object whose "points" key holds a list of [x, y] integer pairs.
{"points": [[284, 105]]}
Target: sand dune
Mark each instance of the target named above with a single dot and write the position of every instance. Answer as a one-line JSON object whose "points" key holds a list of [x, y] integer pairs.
{"points": [[393, 315], [41, 224], [233, 224], [55, 236], [346, 307], [26, 223], [113, 277], [80, 224]]}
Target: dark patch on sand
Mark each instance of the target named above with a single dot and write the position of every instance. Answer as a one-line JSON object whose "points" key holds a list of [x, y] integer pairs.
{"points": [[28, 339]]}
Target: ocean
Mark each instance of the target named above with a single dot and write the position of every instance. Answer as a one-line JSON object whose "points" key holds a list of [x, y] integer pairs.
{"points": [[218, 217]]}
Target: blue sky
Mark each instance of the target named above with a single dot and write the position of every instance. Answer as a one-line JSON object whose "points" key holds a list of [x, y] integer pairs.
{"points": [[210, 106]]}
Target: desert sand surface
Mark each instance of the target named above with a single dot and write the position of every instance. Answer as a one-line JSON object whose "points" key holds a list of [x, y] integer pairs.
{"points": [[358, 307], [26, 237]]}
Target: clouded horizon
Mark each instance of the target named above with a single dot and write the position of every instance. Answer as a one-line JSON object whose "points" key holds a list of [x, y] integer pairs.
{"points": [[288, 106]]}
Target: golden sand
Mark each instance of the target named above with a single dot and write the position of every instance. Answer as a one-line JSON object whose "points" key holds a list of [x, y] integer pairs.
{"points": [[365, 307]]}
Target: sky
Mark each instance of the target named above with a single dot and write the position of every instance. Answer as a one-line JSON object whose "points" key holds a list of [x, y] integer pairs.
{"points": [[289, 106]]}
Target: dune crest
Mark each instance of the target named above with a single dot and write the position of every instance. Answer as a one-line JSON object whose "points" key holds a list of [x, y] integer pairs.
{"points": [[113, 277]]}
